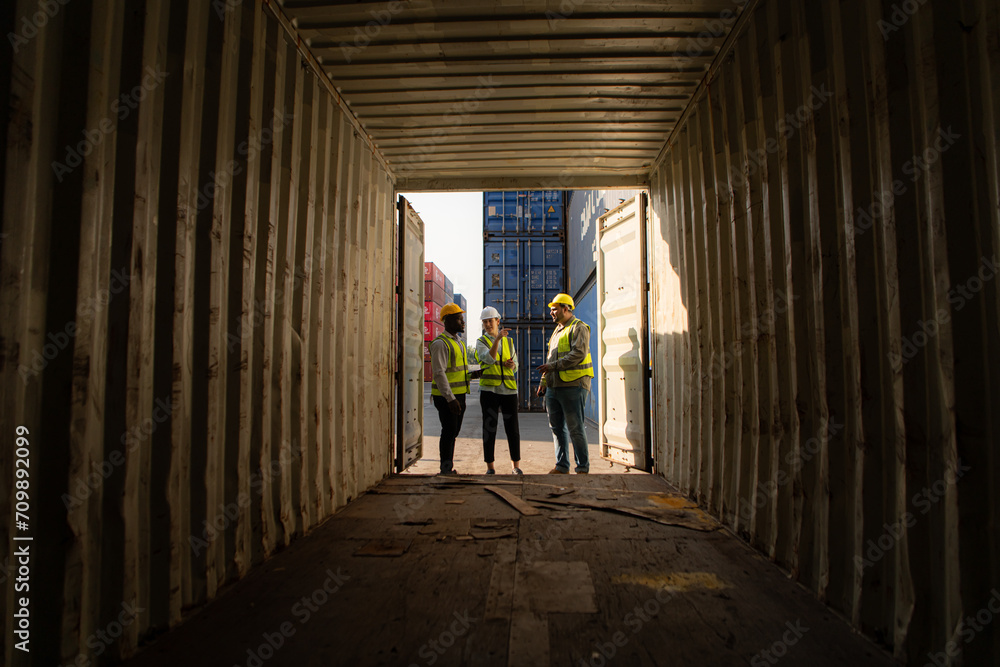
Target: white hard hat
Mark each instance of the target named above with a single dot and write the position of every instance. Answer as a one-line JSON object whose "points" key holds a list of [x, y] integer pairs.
{"points": [[489, 312]]}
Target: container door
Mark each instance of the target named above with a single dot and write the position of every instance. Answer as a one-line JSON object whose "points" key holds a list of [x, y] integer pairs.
{"points": [[623, 376], [410, 352]]}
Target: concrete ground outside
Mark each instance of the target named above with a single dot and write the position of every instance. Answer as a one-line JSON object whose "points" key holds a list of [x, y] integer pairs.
{"points": [[537, 448]]}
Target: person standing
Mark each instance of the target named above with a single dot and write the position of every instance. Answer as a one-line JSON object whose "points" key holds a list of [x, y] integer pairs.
{"points": [[498, 389], [565, 383], [450, 369]]}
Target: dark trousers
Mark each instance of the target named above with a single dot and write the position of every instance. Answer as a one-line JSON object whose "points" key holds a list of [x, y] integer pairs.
{"points": [[451, 424], [493, 405]]}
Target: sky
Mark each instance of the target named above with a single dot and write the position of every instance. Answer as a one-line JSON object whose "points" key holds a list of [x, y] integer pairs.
{"points": [[453, 239]]}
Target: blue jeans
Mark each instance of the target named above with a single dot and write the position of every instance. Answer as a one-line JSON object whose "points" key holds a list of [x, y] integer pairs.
{"points": [[565, 408]]}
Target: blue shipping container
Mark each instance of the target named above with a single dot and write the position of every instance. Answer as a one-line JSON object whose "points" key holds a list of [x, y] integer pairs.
{"points": [[531, 343], [524, 212], [521, 275], [583, 209], [586, 310], [461, 302]]}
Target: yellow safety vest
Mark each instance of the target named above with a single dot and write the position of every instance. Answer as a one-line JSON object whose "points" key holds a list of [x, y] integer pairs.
{"points": [[494, 374], [585, 367], [458, 367]]}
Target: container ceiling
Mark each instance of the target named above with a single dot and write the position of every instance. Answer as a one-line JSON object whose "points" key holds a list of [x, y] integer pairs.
{"points": [[472, 94]]}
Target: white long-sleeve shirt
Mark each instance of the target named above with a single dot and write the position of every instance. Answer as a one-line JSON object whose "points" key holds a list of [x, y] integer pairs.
{"points": [[486, 359], [439, 362]]}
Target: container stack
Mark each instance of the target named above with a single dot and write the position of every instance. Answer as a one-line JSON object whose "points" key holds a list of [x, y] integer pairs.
{"points": [[438, 290], [435, 296], [462, 303], [524, 261]]}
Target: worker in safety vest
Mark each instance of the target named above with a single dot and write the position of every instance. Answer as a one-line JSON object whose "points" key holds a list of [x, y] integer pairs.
{"points": [[450, 368], [498, 388], [565, 384]]}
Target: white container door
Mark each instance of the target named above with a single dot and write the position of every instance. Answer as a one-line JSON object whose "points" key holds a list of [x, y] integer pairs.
{"points": [[622, 370], [410, 352]]}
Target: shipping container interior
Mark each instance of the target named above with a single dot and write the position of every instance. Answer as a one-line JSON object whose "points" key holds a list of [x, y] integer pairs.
{"points": [[210, 303]]}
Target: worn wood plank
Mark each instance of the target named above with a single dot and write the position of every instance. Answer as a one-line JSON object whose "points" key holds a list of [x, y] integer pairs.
{"points": [[698, 372], [969, 178], [161, 561], [339, 152], [930, 420], [184, 336], [142, 331], [727, 177], [270, 462], [702, 463], [246, 224], [303, 429], [387, 299], [284, 276], [840, 287], [86, 434], [515, 502], [788, 475], [310, 304], [364, 398], [716, 202], [218, 357], [353, 311], [324, 310], [762, 332], [744, 277], [292, 347], [344, 323], [807, 285], [28, 184], [882, 608], [982, 47], [685, 380], [662, 326]]}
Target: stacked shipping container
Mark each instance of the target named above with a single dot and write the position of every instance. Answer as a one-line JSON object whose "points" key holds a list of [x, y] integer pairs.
{"points": [[435, 296], [438, 290], [583, 208], [524, 264]]}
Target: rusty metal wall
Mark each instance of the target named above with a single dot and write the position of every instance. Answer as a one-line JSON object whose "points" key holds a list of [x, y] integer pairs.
{"points": [[827, 342], [194, 235]]}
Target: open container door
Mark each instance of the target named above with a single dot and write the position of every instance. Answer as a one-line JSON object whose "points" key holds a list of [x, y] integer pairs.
{"points": [[410, 350], [622, 329]]}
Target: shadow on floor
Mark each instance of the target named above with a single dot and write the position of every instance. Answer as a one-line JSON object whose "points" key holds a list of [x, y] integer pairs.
{"points": [[442, 571]]}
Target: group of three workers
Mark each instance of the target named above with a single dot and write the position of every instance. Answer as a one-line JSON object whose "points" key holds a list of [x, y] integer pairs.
{"points": [[565, 383]]}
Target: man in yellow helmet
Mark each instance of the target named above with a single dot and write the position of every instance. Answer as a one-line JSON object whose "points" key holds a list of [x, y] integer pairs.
{"points": [[450, 368], [565, 384]]}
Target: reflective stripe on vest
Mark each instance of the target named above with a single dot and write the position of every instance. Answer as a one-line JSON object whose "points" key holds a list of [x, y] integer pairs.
{"points": [[495, 373], [585, 367], [457, 371]]}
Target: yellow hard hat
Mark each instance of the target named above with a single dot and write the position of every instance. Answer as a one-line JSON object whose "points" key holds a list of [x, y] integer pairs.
{"points": [[450, 309], [564, 299]]}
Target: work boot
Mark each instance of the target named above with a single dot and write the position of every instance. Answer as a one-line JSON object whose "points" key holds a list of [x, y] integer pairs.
{"points": [[557, 471]]}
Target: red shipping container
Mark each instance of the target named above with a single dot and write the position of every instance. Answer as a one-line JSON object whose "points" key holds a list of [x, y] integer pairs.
{"points": [[428, 374], [432, 311], [432, 274], [435, 294], [432, 330]]}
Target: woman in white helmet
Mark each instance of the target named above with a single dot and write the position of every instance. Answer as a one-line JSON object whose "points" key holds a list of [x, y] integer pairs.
{"points": [[498, 388]]}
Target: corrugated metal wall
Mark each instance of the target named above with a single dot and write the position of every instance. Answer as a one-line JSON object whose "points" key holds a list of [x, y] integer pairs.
{"points": [[193, 231], [827, 349]]}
